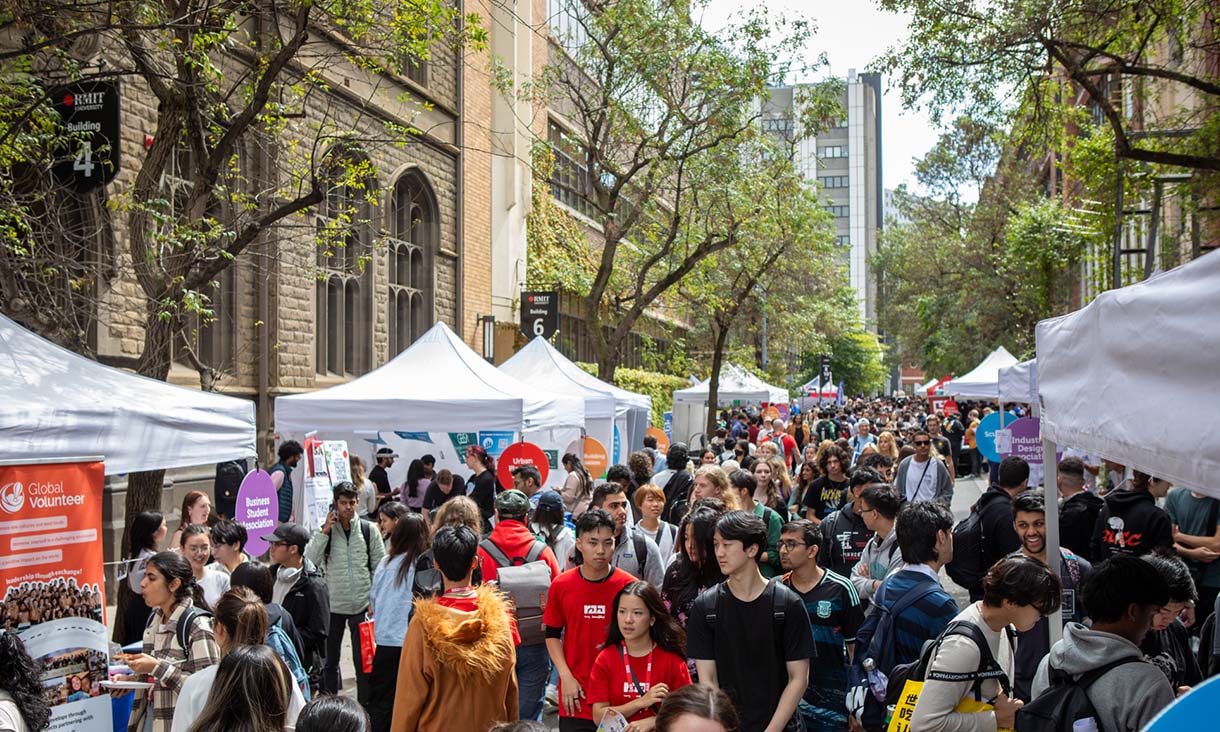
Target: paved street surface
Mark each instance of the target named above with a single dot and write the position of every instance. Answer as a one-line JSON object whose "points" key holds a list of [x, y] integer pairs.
{"points": [[965, 494]]}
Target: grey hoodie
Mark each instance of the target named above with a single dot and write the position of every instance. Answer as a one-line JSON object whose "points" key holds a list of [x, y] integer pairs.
{"points": [[1127, 697], [882, 557]]}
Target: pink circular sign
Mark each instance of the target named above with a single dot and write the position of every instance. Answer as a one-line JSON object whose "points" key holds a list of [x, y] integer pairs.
{"points": [[257, 510]]}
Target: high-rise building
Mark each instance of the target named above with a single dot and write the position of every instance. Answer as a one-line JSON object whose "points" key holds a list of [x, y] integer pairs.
{"points": [[846, 161]]}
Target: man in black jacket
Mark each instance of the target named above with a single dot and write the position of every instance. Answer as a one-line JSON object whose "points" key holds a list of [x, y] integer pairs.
{"points": [[995, 514], [1130, 522], [844, 533], [678, 483], [1078, 508], [301, 590]]}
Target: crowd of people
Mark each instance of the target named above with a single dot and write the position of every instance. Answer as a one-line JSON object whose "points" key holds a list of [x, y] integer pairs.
{"points": [[785, 576]]}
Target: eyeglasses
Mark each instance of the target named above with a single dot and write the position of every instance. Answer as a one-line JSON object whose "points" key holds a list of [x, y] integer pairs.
{"points": [[863, 511], [790, 545]]}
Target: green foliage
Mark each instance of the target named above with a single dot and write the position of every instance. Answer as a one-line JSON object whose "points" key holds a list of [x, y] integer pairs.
{"points": [[856, 359], [660, 387]]}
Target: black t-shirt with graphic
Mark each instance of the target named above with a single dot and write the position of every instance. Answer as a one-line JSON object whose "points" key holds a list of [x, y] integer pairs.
{"points": [[825, 496]]}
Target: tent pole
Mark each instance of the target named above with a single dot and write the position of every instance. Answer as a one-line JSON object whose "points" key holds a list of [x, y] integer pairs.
{"points": [[1049, 471]]}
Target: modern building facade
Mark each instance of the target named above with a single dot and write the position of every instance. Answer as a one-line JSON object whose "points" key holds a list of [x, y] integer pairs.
{"points": [[845, 160]]}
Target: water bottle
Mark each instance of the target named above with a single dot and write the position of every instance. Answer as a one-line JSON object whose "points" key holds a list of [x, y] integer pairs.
{"points": [[1088, 724], [877, 681]]}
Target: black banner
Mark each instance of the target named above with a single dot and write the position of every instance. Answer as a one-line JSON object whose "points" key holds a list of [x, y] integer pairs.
{"points": [[90, 114], [539, 314]]}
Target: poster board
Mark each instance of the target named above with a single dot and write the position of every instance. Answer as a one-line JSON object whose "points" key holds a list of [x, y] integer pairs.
{"points": [[52, 583], [327, 462]]}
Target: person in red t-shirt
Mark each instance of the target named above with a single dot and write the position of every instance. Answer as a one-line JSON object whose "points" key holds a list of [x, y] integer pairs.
{"points": [[643, 659], [576, 616]]}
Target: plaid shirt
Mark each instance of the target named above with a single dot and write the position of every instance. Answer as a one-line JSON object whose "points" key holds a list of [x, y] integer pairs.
{"points": [[161, 642]]}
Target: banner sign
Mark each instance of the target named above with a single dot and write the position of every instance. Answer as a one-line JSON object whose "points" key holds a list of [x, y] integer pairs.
{"points": [[1023, 438], [256, 510], [327, 462], [52, 584], [517, 455], [539, 314], [662, 438], [463, 440], [495, 442], [90, 114]]}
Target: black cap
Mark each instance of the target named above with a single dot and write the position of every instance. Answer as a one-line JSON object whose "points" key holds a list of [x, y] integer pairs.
{"points": [[290, 534]]}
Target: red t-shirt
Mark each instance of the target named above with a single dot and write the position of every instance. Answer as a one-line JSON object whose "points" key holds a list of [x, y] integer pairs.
{"points": [[611, 684], [582, 608], [469, 605]]}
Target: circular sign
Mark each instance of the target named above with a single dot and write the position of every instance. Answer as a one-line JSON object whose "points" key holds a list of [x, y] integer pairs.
{"points": [[984, 435], [596, 458], [517, 455], [950, 408], [660, 436], [257, 510]]}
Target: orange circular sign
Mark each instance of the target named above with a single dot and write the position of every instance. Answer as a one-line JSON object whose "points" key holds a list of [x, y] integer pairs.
{"points": [[661, 437], [597, 459]]}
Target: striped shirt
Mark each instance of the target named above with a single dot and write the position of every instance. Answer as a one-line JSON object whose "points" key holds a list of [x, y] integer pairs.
{"points": [[835, 614]]}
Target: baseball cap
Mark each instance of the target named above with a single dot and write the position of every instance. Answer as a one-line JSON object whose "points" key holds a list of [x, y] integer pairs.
{"points": [[385, 452], [292, 534], [513, 502], [550, 499]]}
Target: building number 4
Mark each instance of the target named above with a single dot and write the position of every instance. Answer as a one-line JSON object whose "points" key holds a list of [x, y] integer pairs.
{"points": [[84, 160]]}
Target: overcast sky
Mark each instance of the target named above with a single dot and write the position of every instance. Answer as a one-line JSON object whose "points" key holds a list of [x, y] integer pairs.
{"points": [[852, 33]]}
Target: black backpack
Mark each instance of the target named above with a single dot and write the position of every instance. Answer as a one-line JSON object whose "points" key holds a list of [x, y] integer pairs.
{"points": [[1064, 701], [970, 556], [920, 668]]}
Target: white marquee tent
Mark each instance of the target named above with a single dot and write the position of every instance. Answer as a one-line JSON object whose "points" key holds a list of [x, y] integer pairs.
{"points": [[825, 391], [982, 381], [632, 412], [59, 404], [538, 365], [1019, 383], [737, 386], [1133, 375]]}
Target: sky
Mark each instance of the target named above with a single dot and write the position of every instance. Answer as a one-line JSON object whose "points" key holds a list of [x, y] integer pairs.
{"points": [[852, 33]]}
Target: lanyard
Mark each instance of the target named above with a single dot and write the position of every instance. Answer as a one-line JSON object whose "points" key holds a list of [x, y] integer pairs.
{"points": [[459, 590], [647, 669]]}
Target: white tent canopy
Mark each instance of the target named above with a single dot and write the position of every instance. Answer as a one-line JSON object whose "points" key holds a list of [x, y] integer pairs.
{"points": [[632, 411], [826, 391], [736, 385], [1019, 383], [538, 365], [982, 381], [60, 404], [1132, 376], [438, 384]]}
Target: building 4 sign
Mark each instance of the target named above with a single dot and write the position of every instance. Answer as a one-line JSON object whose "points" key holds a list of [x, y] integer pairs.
{"points": [[90, 115], [539, 314]]}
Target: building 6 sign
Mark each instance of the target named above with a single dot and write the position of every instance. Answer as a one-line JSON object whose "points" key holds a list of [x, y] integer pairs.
{"points": [[539, 314], [90, 114]]}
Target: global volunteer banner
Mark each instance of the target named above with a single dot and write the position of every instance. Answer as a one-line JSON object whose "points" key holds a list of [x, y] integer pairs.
{"points": [[52, 583]]}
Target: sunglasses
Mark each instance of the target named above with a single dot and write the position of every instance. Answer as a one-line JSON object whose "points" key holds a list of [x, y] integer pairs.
{"points": [[919, 443]]}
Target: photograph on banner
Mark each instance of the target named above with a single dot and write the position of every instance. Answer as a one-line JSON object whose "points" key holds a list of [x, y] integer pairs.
{"points": [[52, 586]]}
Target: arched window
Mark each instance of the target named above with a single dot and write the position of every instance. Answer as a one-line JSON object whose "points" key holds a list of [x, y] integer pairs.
{"points": [[343, 305], [412, 252]]}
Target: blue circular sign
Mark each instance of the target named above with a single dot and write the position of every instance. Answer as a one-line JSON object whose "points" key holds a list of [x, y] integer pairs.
{"points": [[984, 434]]}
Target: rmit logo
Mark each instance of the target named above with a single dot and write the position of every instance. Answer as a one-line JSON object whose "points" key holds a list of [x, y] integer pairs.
{"points": [[596, 611], [86, 98]]}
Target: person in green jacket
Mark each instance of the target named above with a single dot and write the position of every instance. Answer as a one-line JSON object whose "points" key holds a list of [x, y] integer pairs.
{"points": [[348, 550], [745, 484]]}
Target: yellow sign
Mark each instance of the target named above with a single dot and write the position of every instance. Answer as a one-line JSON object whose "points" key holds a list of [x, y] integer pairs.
{"points": [[904, 710]]}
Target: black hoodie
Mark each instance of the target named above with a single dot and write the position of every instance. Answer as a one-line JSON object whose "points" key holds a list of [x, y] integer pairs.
{"points": [[1130, 522], [1077, 517]]}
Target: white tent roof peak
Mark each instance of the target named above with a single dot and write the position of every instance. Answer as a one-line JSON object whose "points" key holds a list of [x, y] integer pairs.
{"points": [[736, 384], [541, 365], [982, 381], [437, 384], [60, 404]]}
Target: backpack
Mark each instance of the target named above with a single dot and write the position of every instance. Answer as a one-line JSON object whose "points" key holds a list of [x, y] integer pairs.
{"points": [[921, 668], [279, 642], [526, 580], [969, 564], [366, 529], [1065, 701], [186, 623], [638, 545]]}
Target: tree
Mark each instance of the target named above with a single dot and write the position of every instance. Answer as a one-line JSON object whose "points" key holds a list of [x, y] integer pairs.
{"points": [[653, 101], [245, 118], [1121, 56], [786, 249], [855, 359]]}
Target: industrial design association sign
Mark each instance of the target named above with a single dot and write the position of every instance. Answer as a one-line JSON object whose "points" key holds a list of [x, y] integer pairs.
{"points": [[90, 115]]}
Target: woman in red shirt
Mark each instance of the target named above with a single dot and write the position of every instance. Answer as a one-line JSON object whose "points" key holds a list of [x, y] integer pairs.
{"points": [[642, 660]]}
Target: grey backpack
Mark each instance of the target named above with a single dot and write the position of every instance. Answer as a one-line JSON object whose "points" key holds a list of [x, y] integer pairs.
{"points": [[526, 580]]}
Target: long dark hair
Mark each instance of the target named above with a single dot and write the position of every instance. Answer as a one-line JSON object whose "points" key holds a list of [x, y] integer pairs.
{"points": [[174, 566], [686, 577], [143, 528], [415, 473], [411, 537], [578, 467], [548, 523], [19, 676], [665, 631], [702, 701], [333, 713], [251, 693]]}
